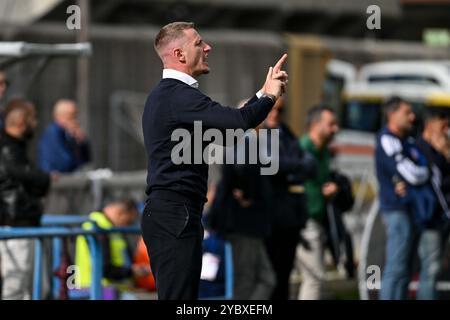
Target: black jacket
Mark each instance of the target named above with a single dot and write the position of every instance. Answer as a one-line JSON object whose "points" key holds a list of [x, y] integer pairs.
{"points": [[226, 216], [433, 157], [172, 105], [296, 166], [21, 185]]}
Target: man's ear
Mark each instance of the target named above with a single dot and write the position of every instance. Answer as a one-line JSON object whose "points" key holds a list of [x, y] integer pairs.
{"points": [[179, 55]]}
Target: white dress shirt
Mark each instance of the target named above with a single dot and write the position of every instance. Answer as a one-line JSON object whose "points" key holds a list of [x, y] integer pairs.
{"points": [[184, 77], [178, 75]]}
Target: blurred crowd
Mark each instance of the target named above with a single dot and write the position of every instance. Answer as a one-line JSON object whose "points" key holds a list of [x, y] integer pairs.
{"points": [[414, 192], [274, 223], [63, 148], [291, 219]]}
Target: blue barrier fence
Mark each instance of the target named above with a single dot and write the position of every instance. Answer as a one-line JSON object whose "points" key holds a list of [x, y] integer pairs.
{"points": [[59, 227]]}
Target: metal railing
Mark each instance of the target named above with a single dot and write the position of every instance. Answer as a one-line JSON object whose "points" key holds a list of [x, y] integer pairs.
{"points": [[59, 227]]}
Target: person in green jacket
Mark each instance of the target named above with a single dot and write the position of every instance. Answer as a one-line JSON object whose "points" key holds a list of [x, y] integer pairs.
{"points": [[117, 257], [322, 126]]}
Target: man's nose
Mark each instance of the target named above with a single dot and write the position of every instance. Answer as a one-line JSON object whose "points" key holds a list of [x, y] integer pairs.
{"points": [[207, 48]]}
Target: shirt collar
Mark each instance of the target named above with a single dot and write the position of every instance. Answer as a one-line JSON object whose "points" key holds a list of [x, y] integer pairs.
{"points": [[178, 75]]}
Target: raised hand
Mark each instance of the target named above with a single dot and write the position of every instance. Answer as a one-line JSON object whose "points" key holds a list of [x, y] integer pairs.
{"points": [[280, 63], [276, 79]]}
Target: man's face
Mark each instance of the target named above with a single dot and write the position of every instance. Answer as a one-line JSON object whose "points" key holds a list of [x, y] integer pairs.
{"points": [[72, 115], [439, 126], [126, 218], [194, 53], [27, 124], [403, 118], [68, 116], [327, 126], [3, 84]]}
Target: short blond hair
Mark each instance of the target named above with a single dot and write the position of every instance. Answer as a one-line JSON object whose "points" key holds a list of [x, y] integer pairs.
{"points": [[170, 32]]}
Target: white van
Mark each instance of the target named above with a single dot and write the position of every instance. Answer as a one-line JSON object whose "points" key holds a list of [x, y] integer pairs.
{"points": [[428, 73]]}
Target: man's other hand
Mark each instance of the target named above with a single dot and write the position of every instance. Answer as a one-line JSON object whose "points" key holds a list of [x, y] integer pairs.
{"points": [[329, 189], [238, 195], [400, 189]]}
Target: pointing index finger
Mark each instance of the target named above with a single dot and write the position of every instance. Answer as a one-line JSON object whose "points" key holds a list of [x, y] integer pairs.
{"points": [[280, 62]]}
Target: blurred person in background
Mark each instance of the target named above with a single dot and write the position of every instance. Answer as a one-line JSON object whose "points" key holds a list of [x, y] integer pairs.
{"points": [[22, 186], [338, 238], [432, 143], [396, 160], [64, 147], [288, 211], [322, 126], [241, 214], [117, 254], [213, 275]]}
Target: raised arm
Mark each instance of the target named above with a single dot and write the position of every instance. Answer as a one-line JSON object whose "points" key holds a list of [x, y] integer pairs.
{"points": [[198, 107]]}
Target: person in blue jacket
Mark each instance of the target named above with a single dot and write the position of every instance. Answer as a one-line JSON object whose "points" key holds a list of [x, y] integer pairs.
{"points": [[397, 161], [432, 144], [63, 147]]}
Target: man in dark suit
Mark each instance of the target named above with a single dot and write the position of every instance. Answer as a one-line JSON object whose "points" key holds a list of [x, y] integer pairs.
{"points": [[171, 222]]}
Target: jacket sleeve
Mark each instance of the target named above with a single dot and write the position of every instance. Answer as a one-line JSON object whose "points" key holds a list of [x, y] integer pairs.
{"points": [[85, 151], [397, 162], [52, 153], [298, 161], [33, 180], [195, 106], [112, 272], [217, 217]]}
